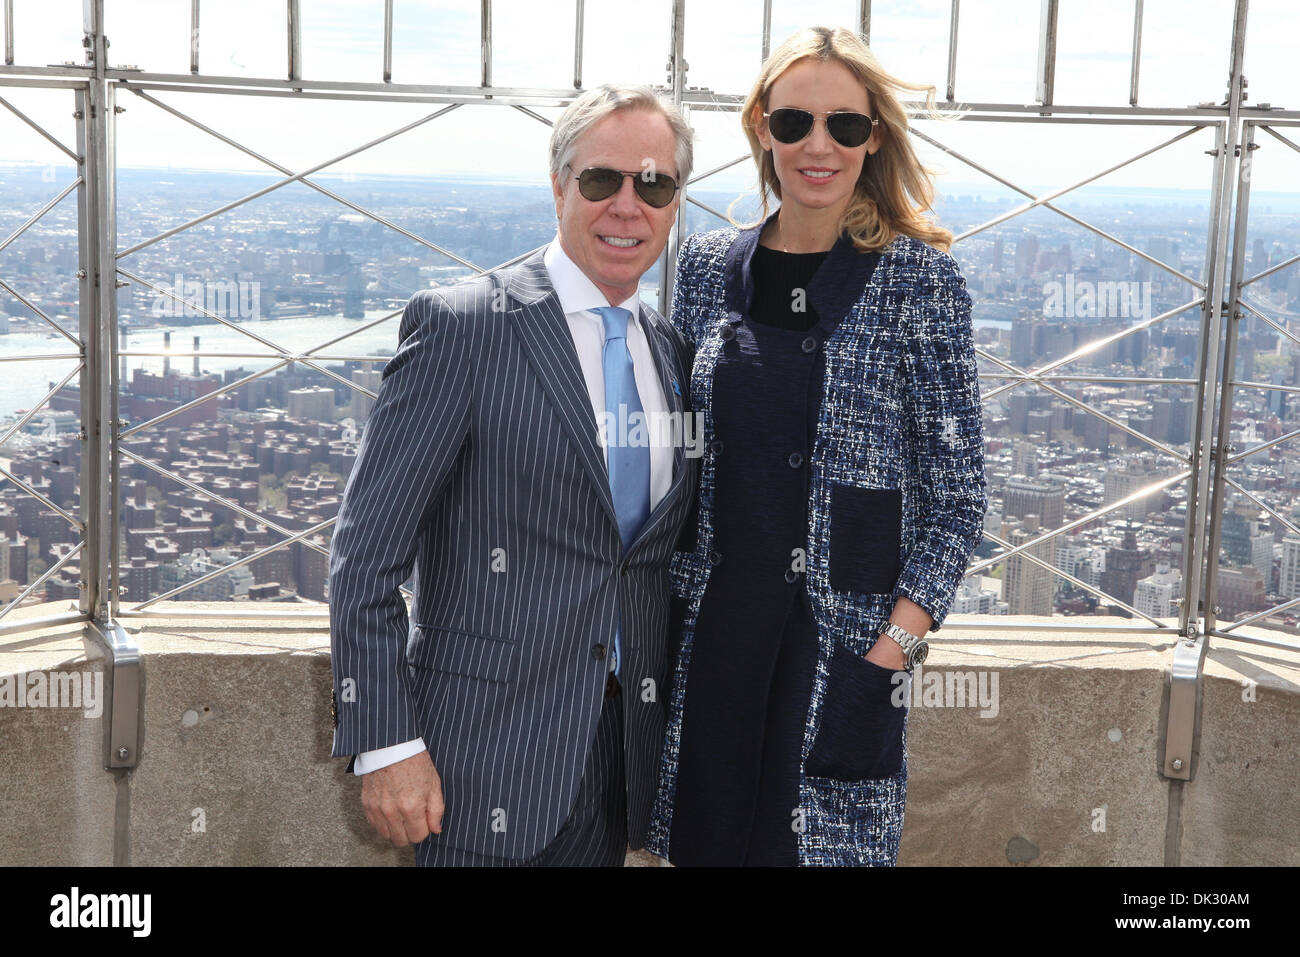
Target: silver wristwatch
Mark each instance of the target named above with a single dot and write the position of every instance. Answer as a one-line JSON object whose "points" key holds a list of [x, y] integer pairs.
{"points": [[914, 647]]}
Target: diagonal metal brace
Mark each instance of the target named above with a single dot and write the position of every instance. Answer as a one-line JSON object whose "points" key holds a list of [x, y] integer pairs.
{"points": [[125, 695], [1184, 703]]}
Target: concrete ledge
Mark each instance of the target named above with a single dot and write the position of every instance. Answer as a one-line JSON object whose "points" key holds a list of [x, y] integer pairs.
{"points": [[235, 765]]}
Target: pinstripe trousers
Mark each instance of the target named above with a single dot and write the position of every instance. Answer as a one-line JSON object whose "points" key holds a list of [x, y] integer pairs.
{"points": [[595, 834]]}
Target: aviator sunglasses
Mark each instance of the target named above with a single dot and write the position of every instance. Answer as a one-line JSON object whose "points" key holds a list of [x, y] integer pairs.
{"points": [[596, 183], [790, 125]]}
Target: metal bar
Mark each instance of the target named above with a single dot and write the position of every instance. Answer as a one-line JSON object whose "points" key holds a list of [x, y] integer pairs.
{"points": [[1274, 513], [767, 29], [1201, 560], [1073, 186], [1137, 53], [1263, 614], [579, 15], [1047, 24], [41, 212], [708, 208], [125, 695], [44, 577], [1183, 714], [1144, 380], [952, 49], [1057, 572], [388, 41], [9, 32], [220, 500], [677, 83], [1255, 640], [1081, 520], [45, 357], [285, 182], [1225, 272], [864, 20], [206, 397], [1281, 330], [324, 191], [45, 621], [39, 312], [38, 128], [1056, 209], [485, 41], [1091, 346], [1270, 270], [242, 613], [31, 413], [244, 560], [194, 36], [295, 40], [718, 169]]}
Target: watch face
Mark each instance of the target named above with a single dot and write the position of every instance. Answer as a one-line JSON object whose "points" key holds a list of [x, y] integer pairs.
{"points": [[919, 653]]}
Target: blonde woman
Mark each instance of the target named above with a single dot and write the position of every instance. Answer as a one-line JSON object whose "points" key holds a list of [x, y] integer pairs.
{"points": [[843, 488]]}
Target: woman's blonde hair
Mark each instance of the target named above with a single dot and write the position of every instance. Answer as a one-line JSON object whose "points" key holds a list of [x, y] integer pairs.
{"points": [[894, 190]]}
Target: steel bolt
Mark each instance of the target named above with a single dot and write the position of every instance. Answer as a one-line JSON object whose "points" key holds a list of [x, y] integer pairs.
{"points": [[1178, 764], [122, 754]]}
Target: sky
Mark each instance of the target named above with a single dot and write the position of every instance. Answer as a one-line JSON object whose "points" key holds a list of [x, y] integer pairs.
{"points": [[1184, 61]]}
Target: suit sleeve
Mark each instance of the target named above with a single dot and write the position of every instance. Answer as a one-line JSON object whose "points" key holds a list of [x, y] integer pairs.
{"points": [[410, 444], [944, 436]]}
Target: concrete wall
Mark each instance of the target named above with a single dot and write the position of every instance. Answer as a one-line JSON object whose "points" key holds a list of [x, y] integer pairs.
{"points": [[235, 765]]}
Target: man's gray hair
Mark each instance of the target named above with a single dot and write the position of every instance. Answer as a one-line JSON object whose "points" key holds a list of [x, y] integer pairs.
{"points": [[596, 104]]}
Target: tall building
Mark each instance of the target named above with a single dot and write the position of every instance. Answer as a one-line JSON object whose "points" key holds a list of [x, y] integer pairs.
{"points": [[1027, 587], [1288, 585], [1157, 593], [1125, 567]]}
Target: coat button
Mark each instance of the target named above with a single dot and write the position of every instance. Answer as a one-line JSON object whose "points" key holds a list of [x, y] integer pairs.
{"points": [[716, 446], [810, 344], [598, 652], [791, 576], [727, 332], [715, 558], [795, 460]]}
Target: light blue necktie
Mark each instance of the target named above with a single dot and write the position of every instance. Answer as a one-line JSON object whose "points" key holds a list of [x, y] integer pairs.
{"points": [[629, 465]]}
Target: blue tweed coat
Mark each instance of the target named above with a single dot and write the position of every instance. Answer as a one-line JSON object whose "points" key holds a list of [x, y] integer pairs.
{"points": [[897, 507]]}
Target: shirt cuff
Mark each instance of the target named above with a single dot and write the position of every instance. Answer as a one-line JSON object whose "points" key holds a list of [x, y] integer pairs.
{"points": [[368, 761]]}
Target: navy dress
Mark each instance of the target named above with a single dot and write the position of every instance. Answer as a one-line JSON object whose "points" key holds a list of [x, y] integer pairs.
{"points": [[755, 647]]}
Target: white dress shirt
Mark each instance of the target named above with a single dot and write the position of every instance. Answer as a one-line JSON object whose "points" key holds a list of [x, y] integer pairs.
{"points": [[578, 296]]}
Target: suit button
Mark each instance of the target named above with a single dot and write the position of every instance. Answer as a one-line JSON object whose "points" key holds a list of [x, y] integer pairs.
{"points": [[727, 332], [598, 652], [809, 345], [716, 446], [795, 460], [715, 558], [791, 576]]}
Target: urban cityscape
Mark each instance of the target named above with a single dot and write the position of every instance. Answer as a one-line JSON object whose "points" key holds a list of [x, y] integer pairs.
{"points": [[267, 457]]}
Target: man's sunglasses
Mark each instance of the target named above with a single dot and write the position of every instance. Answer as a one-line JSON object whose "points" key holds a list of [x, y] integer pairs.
{"points": [[789, 125], [656, 189]]}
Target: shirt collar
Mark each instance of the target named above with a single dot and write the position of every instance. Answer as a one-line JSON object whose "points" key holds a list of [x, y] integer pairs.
{"points": [[576, 292]]}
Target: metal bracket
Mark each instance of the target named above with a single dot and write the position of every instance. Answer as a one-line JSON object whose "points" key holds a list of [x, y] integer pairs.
{"points": [[1184, 685], [125, 696]]}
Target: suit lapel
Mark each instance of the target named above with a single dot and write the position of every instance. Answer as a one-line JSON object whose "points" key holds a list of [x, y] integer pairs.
{"points": [[540, 324], [674, 385]]}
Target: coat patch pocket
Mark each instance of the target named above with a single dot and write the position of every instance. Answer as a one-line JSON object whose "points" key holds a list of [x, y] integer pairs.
{"points": [[866, 537], [861, 731], [464, 653]]}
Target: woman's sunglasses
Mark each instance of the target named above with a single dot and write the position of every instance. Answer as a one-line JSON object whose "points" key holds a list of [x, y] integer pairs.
{"points": [[789, 125], [656, 189]]}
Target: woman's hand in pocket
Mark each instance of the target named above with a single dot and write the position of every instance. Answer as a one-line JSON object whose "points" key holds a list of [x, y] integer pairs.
{"points": [[887, 653]]}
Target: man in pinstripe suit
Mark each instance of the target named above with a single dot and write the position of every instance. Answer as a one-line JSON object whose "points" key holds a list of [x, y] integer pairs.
{"points": [[517, 717]]}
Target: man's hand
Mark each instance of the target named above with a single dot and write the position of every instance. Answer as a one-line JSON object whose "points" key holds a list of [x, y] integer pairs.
{"points": [[403, 801]]}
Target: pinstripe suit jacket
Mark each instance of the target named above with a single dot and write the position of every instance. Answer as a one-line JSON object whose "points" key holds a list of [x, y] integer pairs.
{"points": [[480, 468]]}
